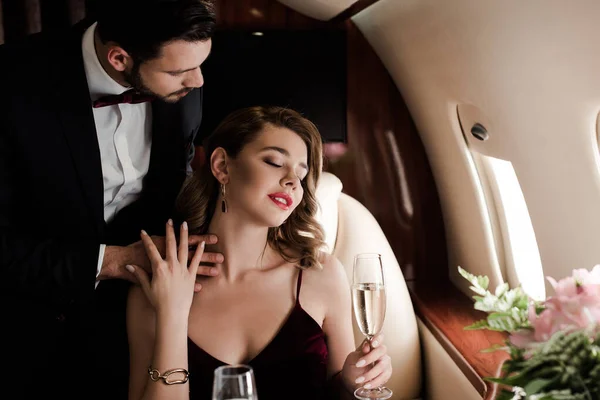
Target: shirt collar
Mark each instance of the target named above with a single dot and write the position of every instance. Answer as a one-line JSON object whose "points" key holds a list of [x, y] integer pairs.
{"points": [[99, 82]]}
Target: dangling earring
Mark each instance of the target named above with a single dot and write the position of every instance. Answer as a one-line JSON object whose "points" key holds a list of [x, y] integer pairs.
{"points": [[224, 201]]}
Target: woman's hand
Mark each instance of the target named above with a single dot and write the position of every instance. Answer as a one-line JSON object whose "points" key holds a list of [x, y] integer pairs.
{"points": [[171, 289], [358, 370]]}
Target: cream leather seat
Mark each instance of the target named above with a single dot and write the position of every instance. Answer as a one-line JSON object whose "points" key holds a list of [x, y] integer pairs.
{"points": [[350, 229]]}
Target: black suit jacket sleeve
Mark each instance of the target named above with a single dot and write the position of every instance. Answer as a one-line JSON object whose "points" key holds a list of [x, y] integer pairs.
{"points": [[31, 260], [49, 247], [51, 192]]}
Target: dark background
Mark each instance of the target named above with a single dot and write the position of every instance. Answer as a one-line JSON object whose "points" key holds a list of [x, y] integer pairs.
{"points": [[301, 69]]}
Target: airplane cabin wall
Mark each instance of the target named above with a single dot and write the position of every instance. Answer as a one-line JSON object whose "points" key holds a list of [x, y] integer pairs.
{"points": [[531, 69]]}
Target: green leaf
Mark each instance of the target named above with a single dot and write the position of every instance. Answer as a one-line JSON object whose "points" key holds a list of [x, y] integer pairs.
{"points": [[479, 283], [483, 324], [502, 321], [505, 395], [483, 282], [495, 347], [501, 289], [536, 385]]}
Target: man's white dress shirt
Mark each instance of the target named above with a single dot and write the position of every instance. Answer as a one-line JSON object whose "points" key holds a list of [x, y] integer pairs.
{"points": [[124, 137]]}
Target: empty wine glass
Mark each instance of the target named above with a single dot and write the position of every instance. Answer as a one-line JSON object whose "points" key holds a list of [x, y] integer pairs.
{"points": [[234, 382], [368, 299]]}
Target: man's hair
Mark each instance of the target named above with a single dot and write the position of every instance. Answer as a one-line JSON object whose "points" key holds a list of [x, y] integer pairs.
{"points": [[142, 27]]}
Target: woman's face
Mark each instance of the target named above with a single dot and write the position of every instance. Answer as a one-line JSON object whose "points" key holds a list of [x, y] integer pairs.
{"points": [[264, 180]]}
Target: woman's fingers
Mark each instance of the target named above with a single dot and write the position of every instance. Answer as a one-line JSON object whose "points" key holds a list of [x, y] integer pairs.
{"points": [[151, 250], [195, 263], [182, 255], [367, 344], [379, 374], [170, 242], [142, 278], [208, 257], [374, 355]]}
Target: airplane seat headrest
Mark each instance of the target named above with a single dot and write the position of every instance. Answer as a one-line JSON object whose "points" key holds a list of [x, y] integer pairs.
{"points": [[328, 193], [350, 228]]}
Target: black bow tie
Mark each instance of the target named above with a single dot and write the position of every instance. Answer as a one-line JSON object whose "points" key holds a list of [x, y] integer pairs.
{"points": [[129, 97]]}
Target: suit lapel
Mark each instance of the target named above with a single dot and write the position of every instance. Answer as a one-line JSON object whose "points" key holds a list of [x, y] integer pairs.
{"points": [[166, 130], [173, 129], [73, 105]]}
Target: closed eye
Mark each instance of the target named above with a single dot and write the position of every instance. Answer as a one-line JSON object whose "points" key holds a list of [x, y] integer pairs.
{"points": [[273, 164]]}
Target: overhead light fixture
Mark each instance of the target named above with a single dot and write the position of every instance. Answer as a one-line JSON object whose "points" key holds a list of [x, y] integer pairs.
{"points": [[258, 33], [255, 12]]}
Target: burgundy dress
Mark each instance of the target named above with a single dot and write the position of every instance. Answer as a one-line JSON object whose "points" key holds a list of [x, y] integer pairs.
{"points": [[292, 366]]}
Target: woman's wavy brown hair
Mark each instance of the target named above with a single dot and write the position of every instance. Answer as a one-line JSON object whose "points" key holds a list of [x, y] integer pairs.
{"points": [[300, 238]]}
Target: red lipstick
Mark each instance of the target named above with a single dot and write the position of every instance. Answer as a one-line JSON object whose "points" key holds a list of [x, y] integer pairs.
{"points": [[281, 200]]}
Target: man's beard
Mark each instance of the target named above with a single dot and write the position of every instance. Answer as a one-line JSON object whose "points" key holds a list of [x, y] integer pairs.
{"points": [[134, 79]]}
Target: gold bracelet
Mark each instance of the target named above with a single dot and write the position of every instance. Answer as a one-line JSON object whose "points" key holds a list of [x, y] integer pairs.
{"points": [[155, 375]]}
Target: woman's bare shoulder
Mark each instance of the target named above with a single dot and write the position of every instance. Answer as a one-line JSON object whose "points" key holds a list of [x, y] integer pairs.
{"points": [[332, 274], [332, 264]]}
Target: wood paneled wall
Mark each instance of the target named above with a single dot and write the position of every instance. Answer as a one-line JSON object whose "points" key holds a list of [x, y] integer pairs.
{"points": [[385, 166], [19, 18], [263, 14]]}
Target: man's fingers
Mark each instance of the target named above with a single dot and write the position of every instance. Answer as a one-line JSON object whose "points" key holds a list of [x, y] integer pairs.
{"points": [[182, 255], [213, 258], [197, 239], [207, 271]]}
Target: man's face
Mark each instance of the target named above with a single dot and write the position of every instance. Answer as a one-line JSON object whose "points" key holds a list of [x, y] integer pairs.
{"points": [[175, 73]]}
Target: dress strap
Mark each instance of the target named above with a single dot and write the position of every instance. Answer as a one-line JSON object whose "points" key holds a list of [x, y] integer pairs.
{"points": [[298, 285]]}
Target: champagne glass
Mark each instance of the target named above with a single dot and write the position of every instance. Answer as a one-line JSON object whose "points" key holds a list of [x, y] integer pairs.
{"points": [[368, 299], [234, 382]]}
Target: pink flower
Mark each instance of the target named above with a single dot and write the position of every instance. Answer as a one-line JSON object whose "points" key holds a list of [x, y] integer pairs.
{"points": [[575, 305], [586, 277], [334, 151], [578, 297]]}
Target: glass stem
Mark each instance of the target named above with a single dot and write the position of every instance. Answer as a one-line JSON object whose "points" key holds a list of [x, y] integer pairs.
{"points": [[370, 339]]}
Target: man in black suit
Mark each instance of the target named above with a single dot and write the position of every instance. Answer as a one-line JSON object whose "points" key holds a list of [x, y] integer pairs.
{"points": [[81, 174]]}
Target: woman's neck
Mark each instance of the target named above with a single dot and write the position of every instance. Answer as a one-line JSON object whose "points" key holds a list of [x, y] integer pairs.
{"points": [[244, 246]]}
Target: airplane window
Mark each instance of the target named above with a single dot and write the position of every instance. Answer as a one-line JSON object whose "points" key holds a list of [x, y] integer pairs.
{"points": [[523, 263]]}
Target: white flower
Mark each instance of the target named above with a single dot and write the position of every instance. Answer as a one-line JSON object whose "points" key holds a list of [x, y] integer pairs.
{"points": [[519, 393]]}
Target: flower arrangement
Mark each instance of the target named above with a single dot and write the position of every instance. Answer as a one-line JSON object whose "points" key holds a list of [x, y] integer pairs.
{"points": [[553, 345]]}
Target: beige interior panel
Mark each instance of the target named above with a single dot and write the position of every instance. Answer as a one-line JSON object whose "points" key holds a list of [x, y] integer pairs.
{"points": [[531, 67], [322, 10], [443, 379]]}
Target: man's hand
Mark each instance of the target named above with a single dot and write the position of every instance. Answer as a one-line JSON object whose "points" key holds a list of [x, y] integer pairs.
{"points": [[117, 257]]}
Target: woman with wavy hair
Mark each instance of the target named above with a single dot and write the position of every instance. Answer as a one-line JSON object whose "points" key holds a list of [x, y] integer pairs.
{"points": [[277, 302]]}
